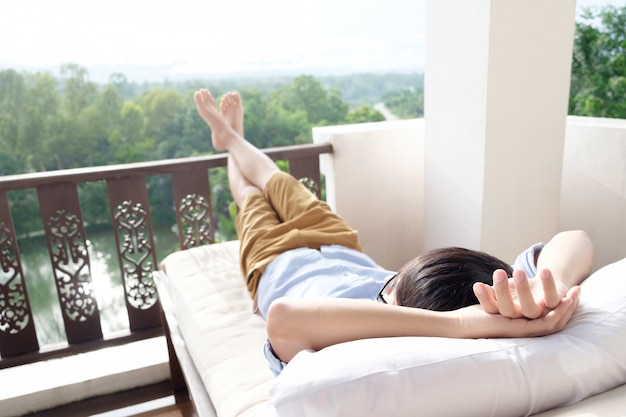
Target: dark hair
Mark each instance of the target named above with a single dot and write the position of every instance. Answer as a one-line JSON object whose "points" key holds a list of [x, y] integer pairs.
{"points": [[442, 279]]}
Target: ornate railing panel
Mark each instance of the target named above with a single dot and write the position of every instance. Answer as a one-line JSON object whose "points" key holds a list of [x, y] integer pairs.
{"points": [[67, 247], [193, 208], [17, 328], [130, 211]]}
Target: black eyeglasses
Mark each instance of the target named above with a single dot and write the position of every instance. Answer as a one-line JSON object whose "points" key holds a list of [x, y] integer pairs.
{"points": [[387, 288]]}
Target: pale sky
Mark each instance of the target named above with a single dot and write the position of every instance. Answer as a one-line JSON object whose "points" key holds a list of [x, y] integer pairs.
{"points": [[217, 37], [211, 36]]}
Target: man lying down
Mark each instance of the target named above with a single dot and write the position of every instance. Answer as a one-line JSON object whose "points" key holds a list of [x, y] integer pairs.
{"points": [[309, 278]]}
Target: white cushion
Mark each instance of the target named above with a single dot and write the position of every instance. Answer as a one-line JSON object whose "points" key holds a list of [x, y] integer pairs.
{"points": [[412, 376], [224, 338]]}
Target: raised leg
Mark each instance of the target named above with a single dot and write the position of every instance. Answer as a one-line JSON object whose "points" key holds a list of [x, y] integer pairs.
{"points": [[249, 169], [231, 108]]}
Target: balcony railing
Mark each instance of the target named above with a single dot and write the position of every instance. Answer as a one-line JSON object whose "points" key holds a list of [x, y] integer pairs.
{"points": [[66, 237]]}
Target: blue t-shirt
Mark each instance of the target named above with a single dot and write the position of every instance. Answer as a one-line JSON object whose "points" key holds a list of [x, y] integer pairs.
{"points": [[334, 271], [526, 260]]}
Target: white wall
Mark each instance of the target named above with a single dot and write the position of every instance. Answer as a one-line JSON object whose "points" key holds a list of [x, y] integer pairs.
{"points": [[374, 180], [593, 193]]}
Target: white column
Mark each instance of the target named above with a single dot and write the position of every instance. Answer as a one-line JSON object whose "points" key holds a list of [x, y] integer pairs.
{"points": [[496, 89]]}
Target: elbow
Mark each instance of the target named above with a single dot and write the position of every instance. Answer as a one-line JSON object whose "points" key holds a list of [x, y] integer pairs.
{"points": [[282, 329], [585, 249], [586, 246], [277, 319]]}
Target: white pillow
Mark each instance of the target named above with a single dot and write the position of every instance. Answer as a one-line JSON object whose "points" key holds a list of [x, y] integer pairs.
{"points": [[412, 376]]}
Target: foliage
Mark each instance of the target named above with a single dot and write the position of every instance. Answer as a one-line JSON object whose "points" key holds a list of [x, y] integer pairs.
{"points": [[49, 122], [598, 85], [322, 106], [406, 104], [364, 114], [369, 89]]}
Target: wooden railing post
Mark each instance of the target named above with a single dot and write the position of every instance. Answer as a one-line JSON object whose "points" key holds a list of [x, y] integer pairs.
{"points": [[192, 202], [134, 237], [17, 328], [67, 246], [307, 170]]}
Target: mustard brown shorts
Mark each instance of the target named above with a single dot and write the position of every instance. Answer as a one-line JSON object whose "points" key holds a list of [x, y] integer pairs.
{"points": [[286, 216]]}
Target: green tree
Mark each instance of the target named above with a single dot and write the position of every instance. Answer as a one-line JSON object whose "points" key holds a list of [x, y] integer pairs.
{"points": [[369, 89], [128, 141], [120, 82], [322, 106], [10, 163], [75, 138], [406, 104], [29, 116], [268, 123], [78, 91], [42, 110], [165, 114], [102, 119], [598, 85], [364, 114], [12, 99]]}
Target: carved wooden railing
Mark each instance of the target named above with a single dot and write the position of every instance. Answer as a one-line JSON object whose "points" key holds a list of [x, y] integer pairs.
{"points": [[66, 237]]}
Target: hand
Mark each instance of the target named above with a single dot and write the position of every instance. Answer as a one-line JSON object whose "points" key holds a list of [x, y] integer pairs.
{"points": [[477, 323], [520, 297]]}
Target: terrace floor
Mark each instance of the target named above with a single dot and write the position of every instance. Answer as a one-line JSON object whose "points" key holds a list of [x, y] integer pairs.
{"points": [[155, 400], [127, 380]]}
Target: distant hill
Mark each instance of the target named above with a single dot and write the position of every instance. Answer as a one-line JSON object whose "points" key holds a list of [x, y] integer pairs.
{"points": [[356, 89]]}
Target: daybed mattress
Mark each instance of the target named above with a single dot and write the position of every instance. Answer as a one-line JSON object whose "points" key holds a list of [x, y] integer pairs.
{"points": [[225, 340], [223, 336]]}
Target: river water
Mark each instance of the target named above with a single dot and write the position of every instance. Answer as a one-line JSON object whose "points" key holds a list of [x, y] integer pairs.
{"points": [[106, 278]]}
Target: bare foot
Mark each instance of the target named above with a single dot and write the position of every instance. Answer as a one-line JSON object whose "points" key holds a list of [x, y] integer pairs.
{"points": [[231, 108], [220, 127]]}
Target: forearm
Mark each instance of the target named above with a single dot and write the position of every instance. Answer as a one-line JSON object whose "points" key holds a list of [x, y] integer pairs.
{"points": [[298, 324], [295, 324], [569, 256]]}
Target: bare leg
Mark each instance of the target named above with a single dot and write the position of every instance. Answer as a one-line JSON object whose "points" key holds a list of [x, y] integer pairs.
{"points": [[231, 109], [254, 166]]}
